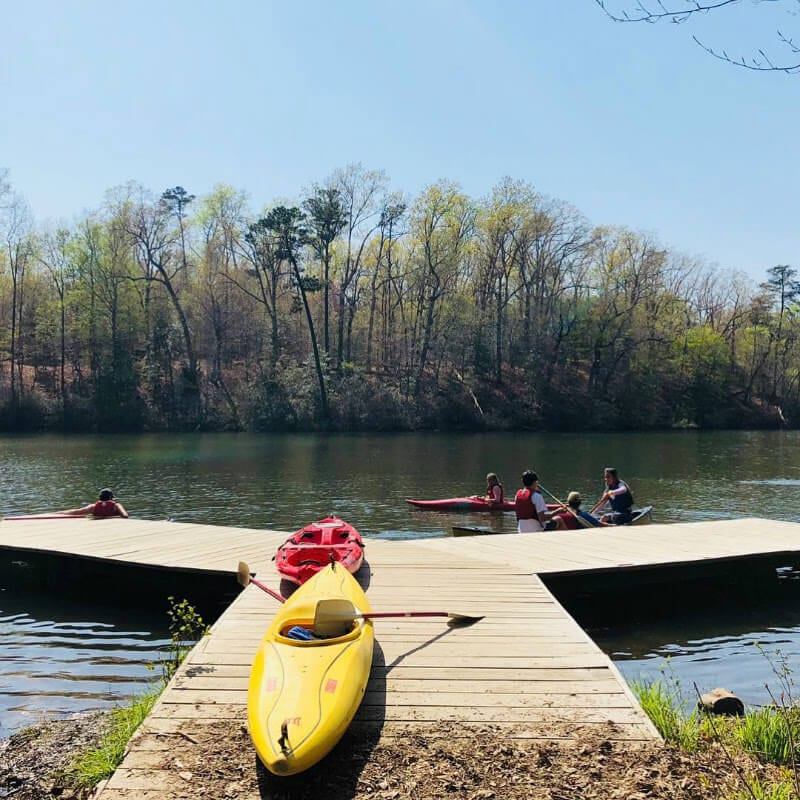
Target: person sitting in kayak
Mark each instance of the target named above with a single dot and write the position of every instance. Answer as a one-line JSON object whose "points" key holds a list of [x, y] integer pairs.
{"points": [[619, 497], [106, 506], [494, 490], [529, 505], [568, 520]]}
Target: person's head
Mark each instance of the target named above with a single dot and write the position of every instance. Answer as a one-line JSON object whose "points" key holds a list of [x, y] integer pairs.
{"points": [[574, 500], [529, 478], [106, 495], [491, 479], [610, 475]]}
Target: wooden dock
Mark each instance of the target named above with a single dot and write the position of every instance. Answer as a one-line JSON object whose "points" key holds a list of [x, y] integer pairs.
{"points": [[527, 669]]}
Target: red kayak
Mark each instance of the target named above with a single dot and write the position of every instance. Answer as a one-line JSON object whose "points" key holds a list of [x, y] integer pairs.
{"points": [[461, 504], [467, 504], [311, 548]]}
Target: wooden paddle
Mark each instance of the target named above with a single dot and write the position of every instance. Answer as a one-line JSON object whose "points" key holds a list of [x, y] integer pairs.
{"points": [[341, 613], [578, 517], [598, 504], [245, 577]]}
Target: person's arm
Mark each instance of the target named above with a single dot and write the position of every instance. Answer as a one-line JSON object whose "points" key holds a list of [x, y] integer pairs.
{"points": [[621, 489], [541, 508], [77, 512], [121, 511]]}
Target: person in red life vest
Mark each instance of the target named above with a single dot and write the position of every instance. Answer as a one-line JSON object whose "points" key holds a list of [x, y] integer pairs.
{"points": [[106, 506], [494, 490], [529, 505], [568, 520]]}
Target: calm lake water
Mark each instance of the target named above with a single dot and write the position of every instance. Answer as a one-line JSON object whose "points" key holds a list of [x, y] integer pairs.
{"points": [[59, 657]]}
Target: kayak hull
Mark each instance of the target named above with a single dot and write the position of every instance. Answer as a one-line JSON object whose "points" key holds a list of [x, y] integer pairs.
{"points": [[311, 548], [303, 695], [461, 504], [641, 516]]}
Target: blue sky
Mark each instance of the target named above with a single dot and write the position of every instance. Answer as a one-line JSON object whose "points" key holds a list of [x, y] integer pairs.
{"points": [[633, 124]]}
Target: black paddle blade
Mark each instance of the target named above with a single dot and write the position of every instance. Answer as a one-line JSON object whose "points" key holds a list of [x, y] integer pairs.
{"points": [[461, 620]]}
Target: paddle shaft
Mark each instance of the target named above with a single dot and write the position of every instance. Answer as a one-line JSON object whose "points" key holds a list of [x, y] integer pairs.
{"points": [[385, 614], [580, 519], [598, 504], [457, 618], [265, 588]]}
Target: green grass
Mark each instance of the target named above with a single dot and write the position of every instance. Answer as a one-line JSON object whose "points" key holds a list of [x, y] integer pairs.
{"points": [[755, 790], [665, 712], [97, 764], [770, 733]]}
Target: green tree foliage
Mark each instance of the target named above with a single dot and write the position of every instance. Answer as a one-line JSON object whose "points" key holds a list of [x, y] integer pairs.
{"points": [[175, 313]]}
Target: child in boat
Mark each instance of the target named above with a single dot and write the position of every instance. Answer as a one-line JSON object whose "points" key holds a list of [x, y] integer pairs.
{"points": [[106, 506], [568, 520], [494, 490], [529, 505]]}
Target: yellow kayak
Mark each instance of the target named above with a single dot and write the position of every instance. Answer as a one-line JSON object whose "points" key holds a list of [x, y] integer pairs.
{"points": [[304, 690]]}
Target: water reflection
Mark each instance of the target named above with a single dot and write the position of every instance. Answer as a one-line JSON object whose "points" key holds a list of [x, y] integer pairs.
{"points": [[739, 649], [69, 656]]}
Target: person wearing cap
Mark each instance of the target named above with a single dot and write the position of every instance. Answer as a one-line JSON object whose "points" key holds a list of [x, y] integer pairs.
{"points": [[568, 520], [106, 506]]}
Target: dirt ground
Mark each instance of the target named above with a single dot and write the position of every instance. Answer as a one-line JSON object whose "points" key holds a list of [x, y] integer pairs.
{"points": [[218, 762]]}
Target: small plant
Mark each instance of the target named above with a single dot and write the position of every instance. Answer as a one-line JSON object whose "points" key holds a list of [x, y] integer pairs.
{"points": [[186, 628], [755, 790]]}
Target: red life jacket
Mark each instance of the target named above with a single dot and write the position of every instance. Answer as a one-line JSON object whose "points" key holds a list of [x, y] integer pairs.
{"points": [[570, 523], [523, 505], [496, 486], [105, 508]]}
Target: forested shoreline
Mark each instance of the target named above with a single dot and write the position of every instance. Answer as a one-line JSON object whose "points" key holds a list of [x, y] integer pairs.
{"points": [[360, 309]]}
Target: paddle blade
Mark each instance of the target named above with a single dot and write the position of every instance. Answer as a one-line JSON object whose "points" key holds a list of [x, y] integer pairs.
{"points": [[243, 574], [461, 620], [334, 617]]}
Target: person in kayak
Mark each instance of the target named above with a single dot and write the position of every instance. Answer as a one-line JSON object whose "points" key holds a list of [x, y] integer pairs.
{"points": [[494, 490], [529, 505], [568, 521], [619, 497], [106, 506]]}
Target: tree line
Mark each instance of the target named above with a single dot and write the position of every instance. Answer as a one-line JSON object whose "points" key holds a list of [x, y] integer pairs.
{"points": [[359, 308]]}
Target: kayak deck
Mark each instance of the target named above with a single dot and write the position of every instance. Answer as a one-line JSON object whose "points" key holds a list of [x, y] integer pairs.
{"points": [[316, 545], [306, 684]]}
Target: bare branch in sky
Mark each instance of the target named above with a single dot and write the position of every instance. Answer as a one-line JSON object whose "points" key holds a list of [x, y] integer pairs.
{"points": [[675, 12]]}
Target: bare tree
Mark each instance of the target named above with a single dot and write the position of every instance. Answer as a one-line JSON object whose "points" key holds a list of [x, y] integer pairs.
{"points": [[679, 13], [15, 229], [442, 223], [56, 259], [154, 240], [326, 220], [361, 191]]}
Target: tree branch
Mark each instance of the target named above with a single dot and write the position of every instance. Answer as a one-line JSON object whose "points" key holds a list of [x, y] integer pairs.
{"points": [[658, 11]]}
